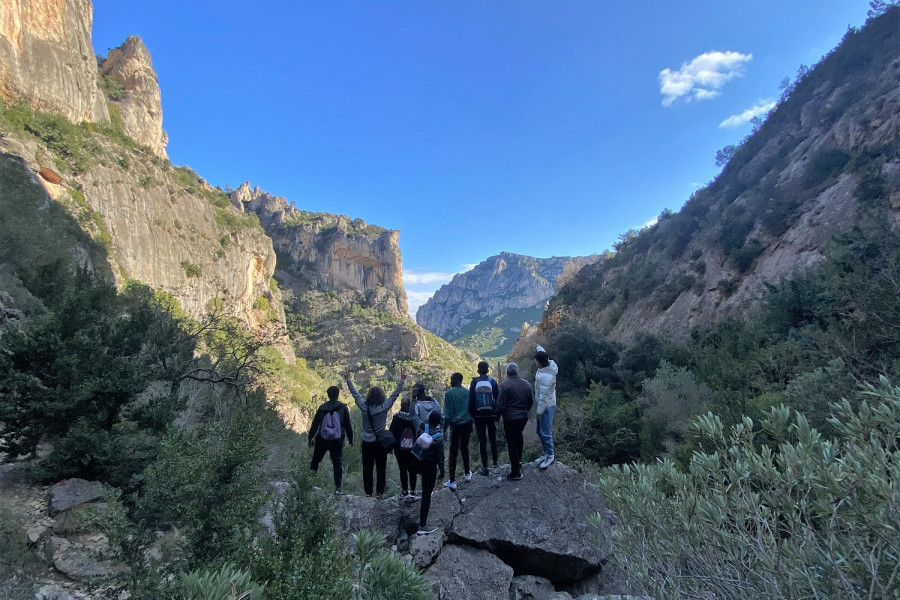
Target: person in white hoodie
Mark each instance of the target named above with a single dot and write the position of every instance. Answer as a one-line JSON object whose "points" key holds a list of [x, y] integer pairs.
{"points": [[545, 398]]}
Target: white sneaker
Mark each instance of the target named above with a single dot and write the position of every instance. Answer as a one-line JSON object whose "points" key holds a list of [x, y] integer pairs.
{"points": [[548, 461], [426, 530], [450, 485], [469, 476], [540, 459]]}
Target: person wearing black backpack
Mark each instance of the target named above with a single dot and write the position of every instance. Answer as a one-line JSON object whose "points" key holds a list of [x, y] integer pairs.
{"points": [[326, 434], [403, 429], [483, 408]]}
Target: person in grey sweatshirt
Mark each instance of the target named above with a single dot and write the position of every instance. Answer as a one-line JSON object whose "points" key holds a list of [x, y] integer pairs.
{"points": [[374, 408]]}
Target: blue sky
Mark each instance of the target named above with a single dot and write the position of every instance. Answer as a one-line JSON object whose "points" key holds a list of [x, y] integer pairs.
{"points": [[554, 126]]}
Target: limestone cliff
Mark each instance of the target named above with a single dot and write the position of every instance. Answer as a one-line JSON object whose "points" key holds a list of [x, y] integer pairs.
{"points": [[159, 225], [787, 190], [323, 252], [47, 58], [484, 308], [139, 102], [343, 288]]}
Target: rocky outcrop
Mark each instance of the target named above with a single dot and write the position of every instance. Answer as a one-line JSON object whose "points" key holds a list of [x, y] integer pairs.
{"points": [[47, 58], [772, 212], [161, 226], [322, 251], [140, 102], [498, 538], [512, 283]]}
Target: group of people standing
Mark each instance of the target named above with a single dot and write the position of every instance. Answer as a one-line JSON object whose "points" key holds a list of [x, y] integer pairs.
{"points": [[479, 408]]}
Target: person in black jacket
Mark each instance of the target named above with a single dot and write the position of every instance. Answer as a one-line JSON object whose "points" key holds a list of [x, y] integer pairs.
{"points": [[403, 429], [326, 434], [513, 404], [485, 421]]}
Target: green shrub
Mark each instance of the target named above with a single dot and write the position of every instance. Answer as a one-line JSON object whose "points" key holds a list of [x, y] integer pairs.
{"points": [[303, 557], [801, 517], [824, 164], [190, 269], [382, 575], [225, 583]]}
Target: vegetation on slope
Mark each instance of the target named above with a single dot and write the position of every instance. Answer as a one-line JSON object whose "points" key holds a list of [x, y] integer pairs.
{"points": [[750, 203]]}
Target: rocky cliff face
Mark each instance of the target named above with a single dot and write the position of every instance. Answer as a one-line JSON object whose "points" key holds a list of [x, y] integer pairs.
{"points": [[330, 252], [507, 287], [47, 58], [153, 229], [771, 213], [140, 102]]}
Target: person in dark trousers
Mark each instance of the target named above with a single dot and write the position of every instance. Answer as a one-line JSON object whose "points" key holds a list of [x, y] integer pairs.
{"points": [[326, 434], [374, 408], [513, 404], [430, 463], [403, 429], [485, 418], [458, 422]]}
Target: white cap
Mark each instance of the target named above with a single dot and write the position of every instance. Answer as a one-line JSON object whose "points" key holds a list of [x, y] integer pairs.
{"points": [[540, 349]]}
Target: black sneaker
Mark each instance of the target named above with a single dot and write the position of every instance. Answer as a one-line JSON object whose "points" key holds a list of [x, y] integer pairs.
{"points": [[426, 530], [512, 477], [484, 471]]}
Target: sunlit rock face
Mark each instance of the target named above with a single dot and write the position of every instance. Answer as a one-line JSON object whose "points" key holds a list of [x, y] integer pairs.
{"points": [[141, 103], [47, 59]]}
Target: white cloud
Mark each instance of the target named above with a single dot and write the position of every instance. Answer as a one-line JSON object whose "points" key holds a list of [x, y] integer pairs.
{"points": [[413, 278], [421, 285], [761, 108], [417, 299], [702, 78]]}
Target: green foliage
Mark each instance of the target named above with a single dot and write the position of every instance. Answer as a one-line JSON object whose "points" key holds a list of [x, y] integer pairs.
{"points": [[494, 338], [802, 517], [68, 141], [75, 374], [206, 479], [584, 356], [382, 575], [112, 88], [225, 583], [190, 269], [261, 303], [304, 556], [668, 401], [234, 221], [824, 164]]}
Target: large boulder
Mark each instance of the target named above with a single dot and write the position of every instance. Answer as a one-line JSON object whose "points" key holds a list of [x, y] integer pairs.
{"points": [[537, 525], [464, 573], [492, 529], [72, 492]]}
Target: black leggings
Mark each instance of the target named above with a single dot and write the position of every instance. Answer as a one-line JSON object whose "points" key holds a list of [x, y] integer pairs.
{"points": [[406, 462], [486, 428], [335, 448], [459, 442], [373, 455], [429, 477]]}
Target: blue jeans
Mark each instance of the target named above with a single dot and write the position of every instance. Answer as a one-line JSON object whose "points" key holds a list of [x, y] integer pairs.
{"points": [[545, 429]]}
